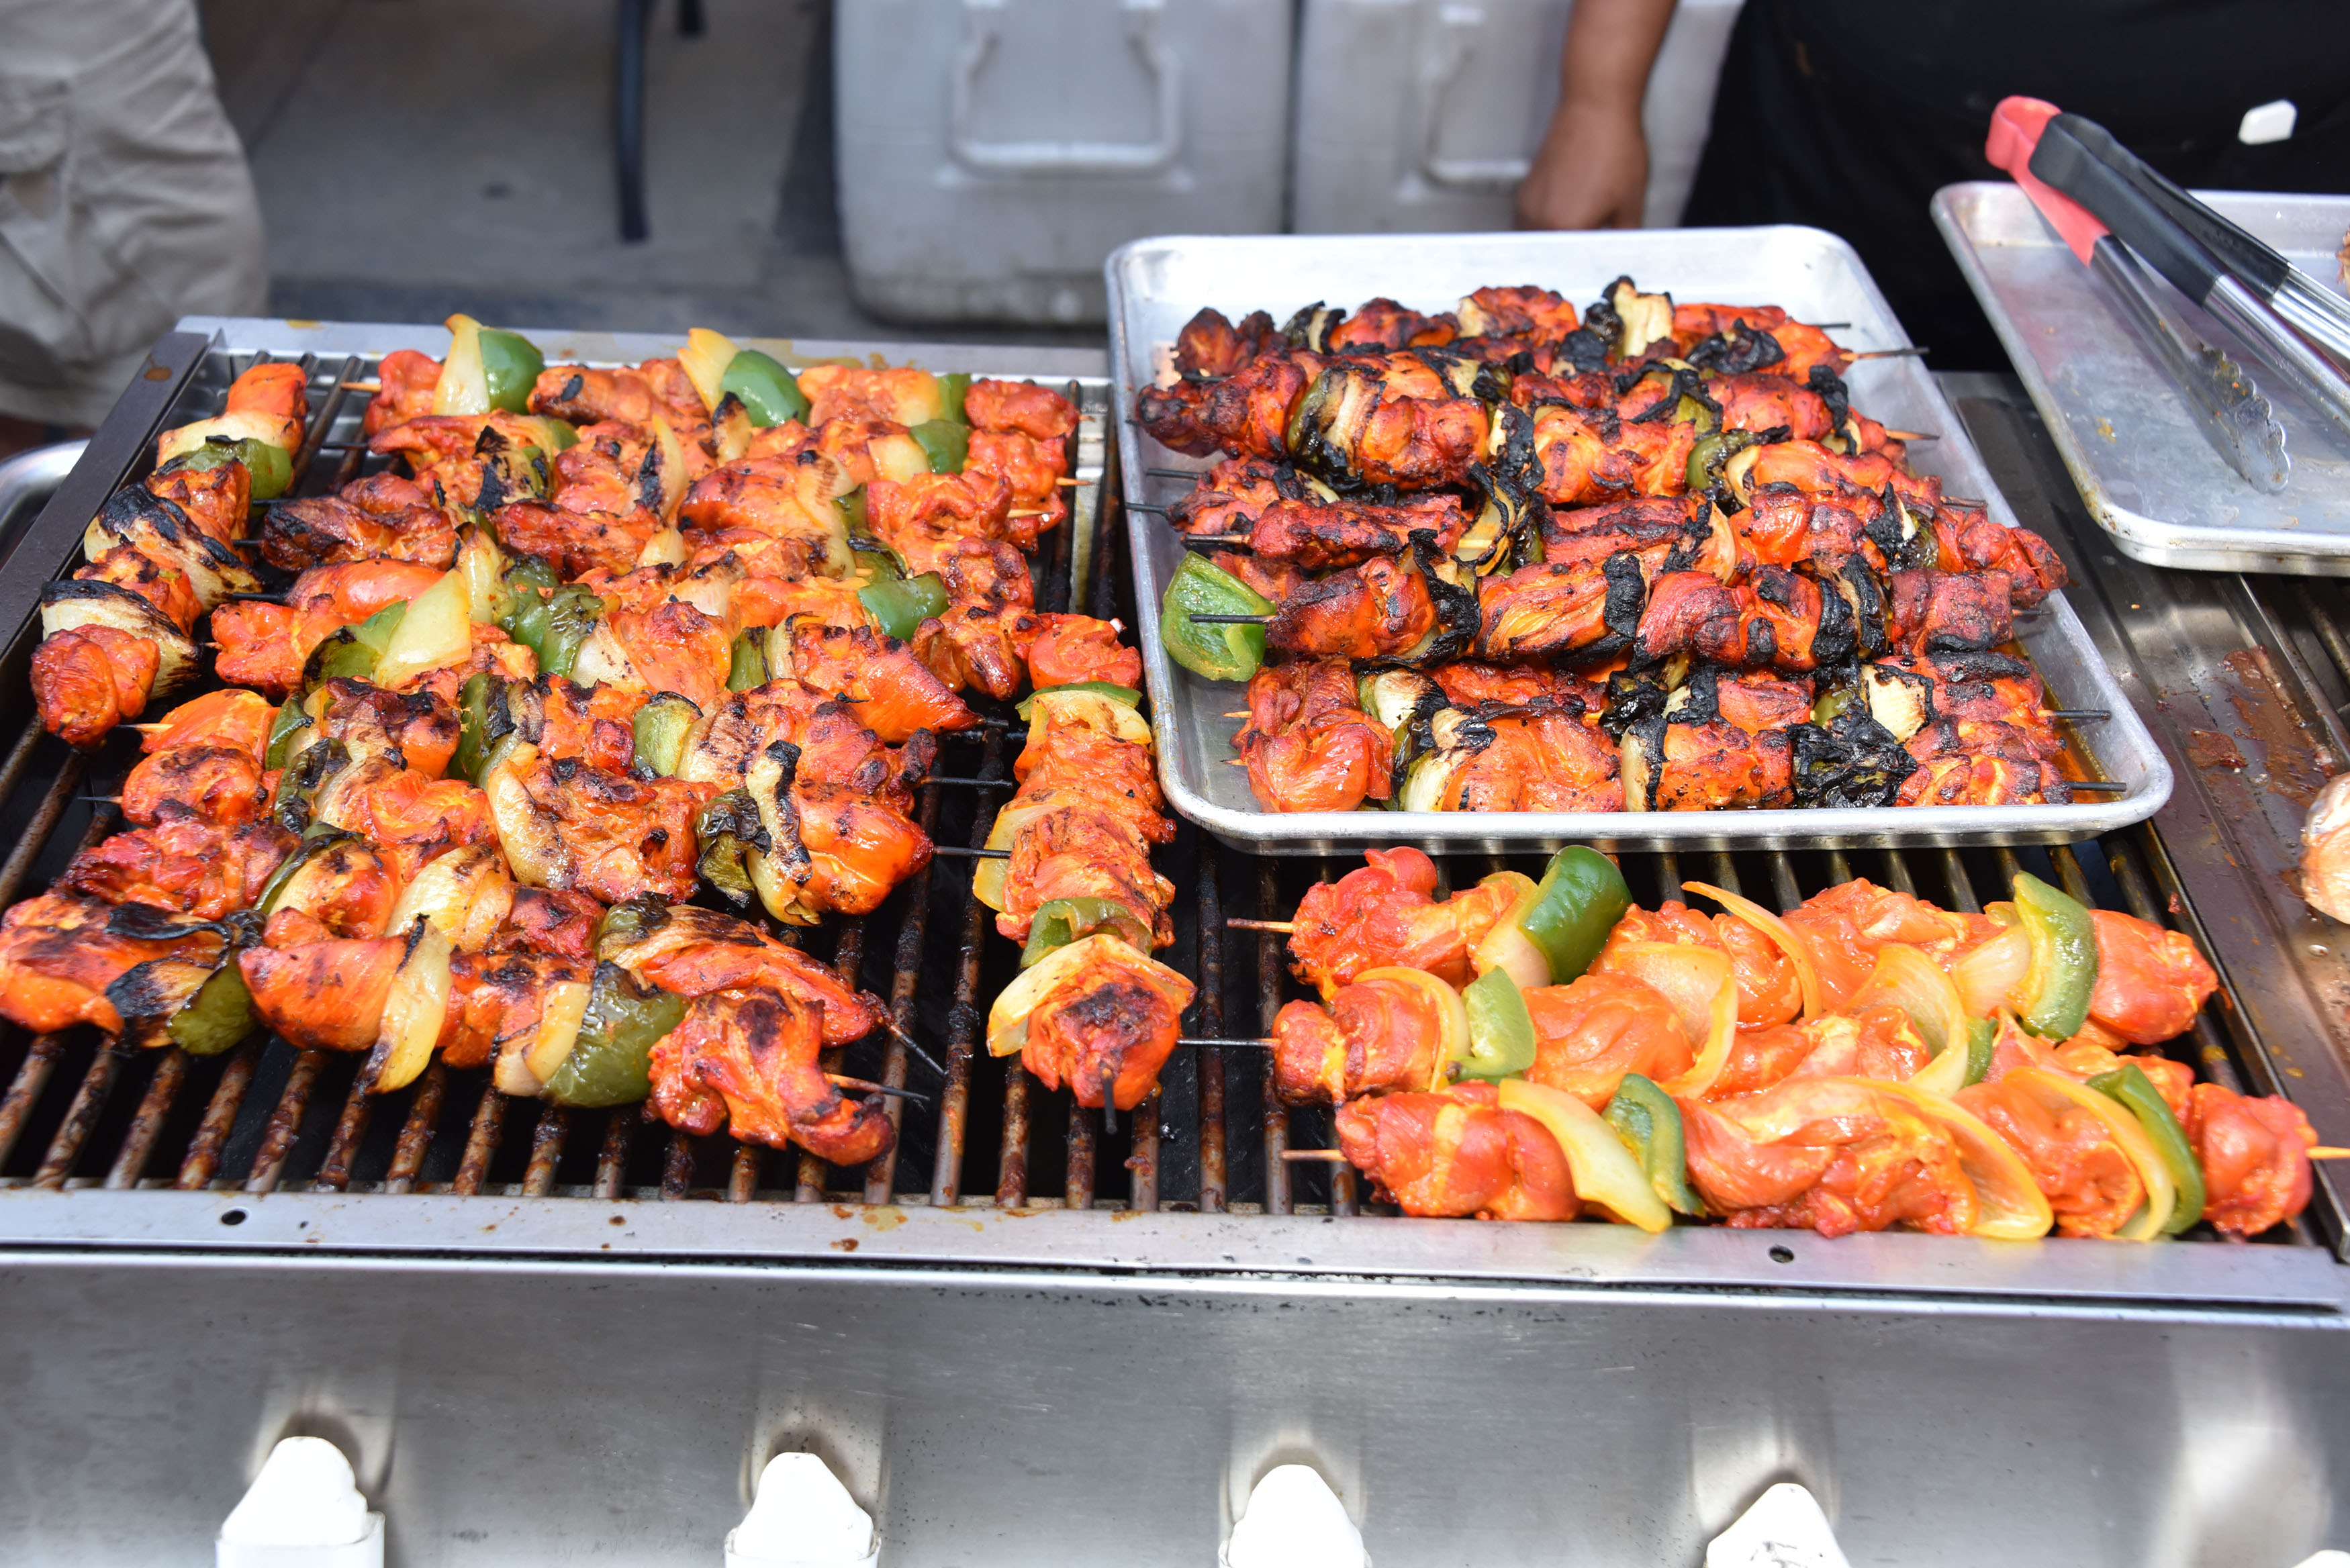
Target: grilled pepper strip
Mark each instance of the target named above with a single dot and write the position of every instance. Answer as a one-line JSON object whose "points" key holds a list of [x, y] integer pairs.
{"points": [[472, 726], [290, 721], [1216, 652], [1577, 902], [661, 727], [1645, 1118], [2139, 1095], [1501, 1031], [899, 607], [611, 1062], [946, 442], [219, 1015], [766, 389], [552, 621], [2063, 958], [1060, 921]]}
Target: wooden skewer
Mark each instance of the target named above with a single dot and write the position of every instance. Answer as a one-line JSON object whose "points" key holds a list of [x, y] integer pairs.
{"points": [[1241, 714], [1031, 511], [2325, 1151], [1963, 500], [1320, 1156], [1283, 927], [1913, 435], [363, 386]]}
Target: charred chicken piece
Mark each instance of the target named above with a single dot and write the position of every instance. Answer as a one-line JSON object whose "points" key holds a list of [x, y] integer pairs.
{"points": [[1575, 614], [694, 952], [747, 1059], [1245, 413], [61, 950], [1967, 540], [382, 515], [880, 679], [1308, 744], [1229, 497], [1210, 344], [1381, 323], [1380, 609], [1095, 1016], [183, 864]]}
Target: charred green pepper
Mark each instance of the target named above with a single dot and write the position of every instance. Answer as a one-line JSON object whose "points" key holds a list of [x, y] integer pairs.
{"points": [[268, 469], [354, 651], [313, 843], [1213, 651], [852, 512], [552, 621], [747, 665], [661, 727], [218, 1016], [727, 828], [298, 785], [2063, 958], [1060, 921], [611, 1061], [946, 442], [2136, 1091], [769, 393], [1501, 1031], [1568, 915], [899, 607], [1650, 1123], [290, 721], [473, 737]]}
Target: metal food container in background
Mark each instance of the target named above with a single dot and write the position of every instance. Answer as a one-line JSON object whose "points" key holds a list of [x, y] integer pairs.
{"points": [[1157, 285], [2129, 437], [992, 152], [1425, 114]]}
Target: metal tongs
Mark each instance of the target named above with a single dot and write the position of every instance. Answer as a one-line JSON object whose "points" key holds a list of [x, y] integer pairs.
{"points": [[2087, 185]]}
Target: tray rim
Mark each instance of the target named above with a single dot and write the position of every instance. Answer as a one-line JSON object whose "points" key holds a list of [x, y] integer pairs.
{"points": [[2187, 546], [1313, 832]]}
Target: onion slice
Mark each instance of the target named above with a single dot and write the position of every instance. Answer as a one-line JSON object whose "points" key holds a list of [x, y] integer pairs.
{"points": [[1606, 1172], [1807, 975], [1703, 989], [1988, 975], [2057, 1091], [1907, 978], [2009, 1204]]}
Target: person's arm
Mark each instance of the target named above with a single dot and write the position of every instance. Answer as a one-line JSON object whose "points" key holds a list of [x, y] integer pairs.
{"points": [[1592, 169]]}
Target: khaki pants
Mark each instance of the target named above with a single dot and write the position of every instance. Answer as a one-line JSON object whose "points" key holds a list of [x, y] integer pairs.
{"points": [[125, 202]]}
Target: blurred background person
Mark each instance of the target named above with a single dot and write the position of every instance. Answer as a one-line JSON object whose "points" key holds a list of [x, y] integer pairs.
{"points": [[1848, 115], [125, 203]]}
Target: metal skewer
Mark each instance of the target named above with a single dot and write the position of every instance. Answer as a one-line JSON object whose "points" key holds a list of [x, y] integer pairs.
{"points": [[842, 1080], [970, 853]]}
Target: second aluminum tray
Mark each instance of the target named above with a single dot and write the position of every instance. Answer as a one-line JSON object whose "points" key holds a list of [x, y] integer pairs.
{"points": [[1155, 284], [2127, 435]]}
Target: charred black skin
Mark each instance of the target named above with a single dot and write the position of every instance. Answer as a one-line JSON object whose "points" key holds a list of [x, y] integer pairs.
{"points": [[1738, 351], [1634, 696], [1852, 760]]}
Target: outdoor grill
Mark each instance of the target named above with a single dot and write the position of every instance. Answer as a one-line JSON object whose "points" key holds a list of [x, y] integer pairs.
{"points": [[1013, 1252]]}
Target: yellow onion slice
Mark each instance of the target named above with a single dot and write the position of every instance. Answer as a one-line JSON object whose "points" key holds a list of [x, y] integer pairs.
{"points": [[2009, 1206], [1907, 978], [1703, 989], [1605, 1173], [2054, 1090], [1452, 1015], [1807, 975], [1507, 947], [1988, 975]]}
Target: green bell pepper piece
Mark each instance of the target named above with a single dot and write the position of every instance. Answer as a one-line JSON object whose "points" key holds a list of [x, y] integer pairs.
{"points": [[313, 840], [1982, 1034], [946, 442], [899, 607], [2136, 1091], [473, 737], [267, 469], [628, 922], [882, 565], [551, 622], [1501, 1030], [298, 785], [290, 721], [661, 727], [1060, 921], [218, 1016], [611, 1064], [1214, 652], [1126, 695], [1645, 1118], [769, 391], [852, 513], [510, 364], [1577, 902], [727, 828], [2063, 958], [352, 652], [749, 665], [952, 387]]}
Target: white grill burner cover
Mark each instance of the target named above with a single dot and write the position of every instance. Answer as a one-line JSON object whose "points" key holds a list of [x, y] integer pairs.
{"points": [[1295, 1521], [1784, 1529], [802, 1517], [303, 1511]]}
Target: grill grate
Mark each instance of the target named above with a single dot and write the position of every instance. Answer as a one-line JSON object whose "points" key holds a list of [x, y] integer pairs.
{"points": [[264, 1117]]}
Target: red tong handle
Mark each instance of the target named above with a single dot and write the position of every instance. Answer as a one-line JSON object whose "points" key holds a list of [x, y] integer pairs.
{"points": [[2015, 128]]}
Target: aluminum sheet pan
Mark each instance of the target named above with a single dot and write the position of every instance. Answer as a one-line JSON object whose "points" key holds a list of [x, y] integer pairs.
{"points": [[1155, 284], [2129, 437]]}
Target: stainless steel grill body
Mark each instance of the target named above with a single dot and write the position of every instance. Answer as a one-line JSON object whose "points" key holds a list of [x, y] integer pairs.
{"points": [[1034, 1337]]}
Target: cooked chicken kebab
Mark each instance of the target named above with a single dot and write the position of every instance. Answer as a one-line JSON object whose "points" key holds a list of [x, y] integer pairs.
{"points": [[606, 641], [1645, 558]]}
